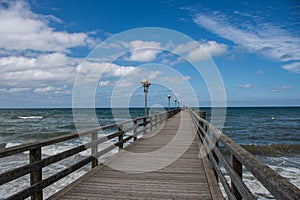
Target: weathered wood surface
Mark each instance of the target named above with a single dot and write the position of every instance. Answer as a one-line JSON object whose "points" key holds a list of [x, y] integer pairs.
{"points": [[277, 185], [186, 178]]}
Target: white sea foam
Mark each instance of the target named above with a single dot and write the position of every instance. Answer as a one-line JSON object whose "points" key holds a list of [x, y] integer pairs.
{"points": [[30, 117]]}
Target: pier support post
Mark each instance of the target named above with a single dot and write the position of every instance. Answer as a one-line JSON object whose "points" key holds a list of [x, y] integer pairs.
{"points": [[35, 155], [94, 149], [238, 168]]}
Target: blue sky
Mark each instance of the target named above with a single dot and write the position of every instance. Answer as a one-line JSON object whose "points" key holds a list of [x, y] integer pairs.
{"points": [[254, 45]]}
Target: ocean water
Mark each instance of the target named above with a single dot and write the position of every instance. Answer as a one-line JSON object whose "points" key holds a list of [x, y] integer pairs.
{"points": [[272, 134]]}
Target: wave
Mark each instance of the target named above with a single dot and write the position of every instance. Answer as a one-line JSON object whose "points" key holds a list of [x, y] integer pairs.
{"points": [[30, 117], [273, 149]]}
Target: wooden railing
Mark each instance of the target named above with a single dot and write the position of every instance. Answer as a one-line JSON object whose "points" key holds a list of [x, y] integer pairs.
{"points": [[211, 138], [37, 162]]}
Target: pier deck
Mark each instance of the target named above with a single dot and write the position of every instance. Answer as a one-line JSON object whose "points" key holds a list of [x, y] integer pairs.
{"points": [[189, 177]]}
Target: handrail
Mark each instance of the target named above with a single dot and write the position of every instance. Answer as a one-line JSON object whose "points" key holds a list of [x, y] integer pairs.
{"points": [[37, 163], [277, 185]]}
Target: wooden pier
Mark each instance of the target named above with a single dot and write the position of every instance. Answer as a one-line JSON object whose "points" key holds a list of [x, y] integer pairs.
{"points": [[195, 174], [186, 178]]}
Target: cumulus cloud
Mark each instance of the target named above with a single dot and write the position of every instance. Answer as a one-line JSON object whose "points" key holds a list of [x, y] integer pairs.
{"points": [[293, 67], [92, 71], [201, 51], [21, 29], [111, 74], [143, 51], [246, 86], [44, 68]]}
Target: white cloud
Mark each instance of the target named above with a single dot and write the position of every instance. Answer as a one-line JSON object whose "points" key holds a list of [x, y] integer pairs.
{"points": [[92, 70], [21, 29], [248, 85], [103, 83], [111, 74], [41, 62], [174, 80], [44, 89], [201, 51], [45, 68], [287, 87], [13, 90], [293, 67], [274, 90], [135, 77], [262, 38], [68, 92], [143, 51]]}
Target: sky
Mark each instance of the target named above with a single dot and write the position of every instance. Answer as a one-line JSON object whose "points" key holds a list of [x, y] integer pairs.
{"points": [[57, 53]]}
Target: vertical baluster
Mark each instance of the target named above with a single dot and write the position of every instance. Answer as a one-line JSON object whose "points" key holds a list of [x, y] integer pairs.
{"points": [[121, 132], [94, 149], [36, 176], [151, 122], [144, 125], [135, 130], [216, 145], [238, 168]]}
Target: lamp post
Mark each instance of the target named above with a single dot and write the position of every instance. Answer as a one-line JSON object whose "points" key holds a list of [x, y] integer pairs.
{"points": [[146, 84], [175, 102], [169, 97]]}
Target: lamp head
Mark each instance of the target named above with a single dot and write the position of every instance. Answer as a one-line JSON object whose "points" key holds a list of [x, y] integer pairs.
{"points": [[145, 82]]}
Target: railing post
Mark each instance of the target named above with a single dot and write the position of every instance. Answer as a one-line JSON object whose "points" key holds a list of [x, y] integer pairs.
{"points": [[203, 116], [121, 132], [238, 168], [36, 176], [144, 125], [94, 149], [135, 130], [199, 130], [150, 118], [216, 145]]}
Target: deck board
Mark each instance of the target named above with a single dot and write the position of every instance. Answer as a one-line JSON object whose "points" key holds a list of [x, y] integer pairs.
{"points": [[186, 178]]}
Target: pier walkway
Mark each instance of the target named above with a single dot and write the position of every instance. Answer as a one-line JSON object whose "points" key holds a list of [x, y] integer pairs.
{"points": [[189, 177]]}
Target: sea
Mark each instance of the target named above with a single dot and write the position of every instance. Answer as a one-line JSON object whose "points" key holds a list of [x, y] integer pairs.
{"points": [[270, 133]]}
